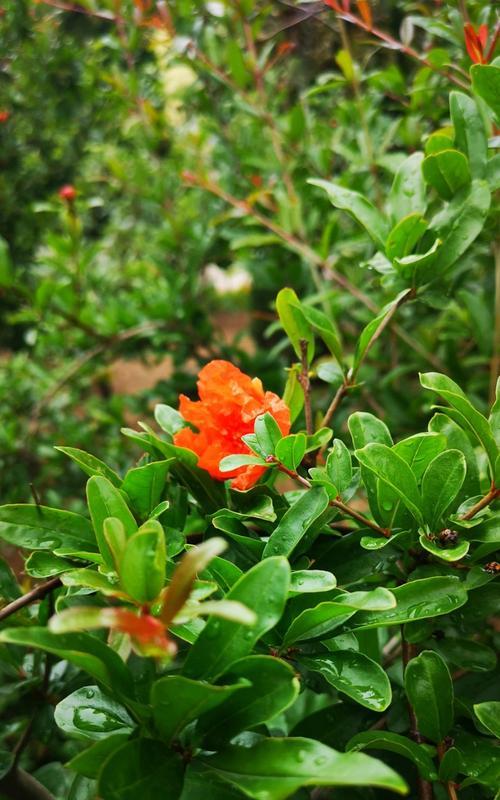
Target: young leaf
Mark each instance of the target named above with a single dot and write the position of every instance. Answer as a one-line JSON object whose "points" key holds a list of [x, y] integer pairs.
{"points": [[429, 688], [142, 566], [486, 83], [168, 419], [324, 327], [293, 395], [230, 463], [274, 769], [292, 319], [116, 538], [192, 563], [489, 715], [354, 674], [105, 501], [263, 589], [291, 449], [267, 432], [441, 484], [361, 209], [445, 553], [308, 581], [365, 428], [339, 465], [296, 522], [405, 235], [90, 464]]}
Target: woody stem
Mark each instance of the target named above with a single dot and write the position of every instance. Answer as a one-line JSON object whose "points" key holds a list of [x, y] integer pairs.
{"points": [[306, 387]]}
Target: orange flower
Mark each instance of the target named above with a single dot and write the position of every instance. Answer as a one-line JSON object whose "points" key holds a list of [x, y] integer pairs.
{"points": [[229, 404]]}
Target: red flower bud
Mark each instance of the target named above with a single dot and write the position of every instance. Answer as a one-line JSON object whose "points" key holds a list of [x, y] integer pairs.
{"points": [[475, 42], [4, 115], [67, 193]]}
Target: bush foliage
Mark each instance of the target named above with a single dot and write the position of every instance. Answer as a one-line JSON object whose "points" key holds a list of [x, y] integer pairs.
{"points": [[283, 587]]}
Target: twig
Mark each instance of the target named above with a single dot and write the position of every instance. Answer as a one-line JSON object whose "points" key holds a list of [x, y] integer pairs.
{"points": [[337, 503], [304, 381], [449, 785], [38, 593], [485, 501], [332, 408], [425, 791], [20, 785]]}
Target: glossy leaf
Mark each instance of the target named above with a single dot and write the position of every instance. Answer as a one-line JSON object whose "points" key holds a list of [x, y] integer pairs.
{"points": [[486, 83], [105, 501], [293, 322], [407, 195], [354, 674], [90, 464], [193, 562], [141, 768], [470, 133], [168, 419], [307, 581], [356, 204], [364, 429], [297, 521], [273, 769], [447, 172], [142, 566], [473, 419], [429, 688], [89, 762], [145, 486], [441, 484], [290, 450], [339, 465], [418, 599], [177, 701], [42, 528], [393, 470], [454, 553], [89, 714], [395, 743], [405, 236], [263, 589], [325, 328], [488, 715], [272, 687], [268, 433]]}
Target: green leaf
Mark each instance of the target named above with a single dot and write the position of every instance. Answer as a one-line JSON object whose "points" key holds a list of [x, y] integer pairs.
{"points": [[90, 464], [447, 172], [41, 528], [142, 567], [359, 207], [470, 133], [296, 522], [272, 688], [473, 419], [489, 715], [89, 714], [405, 235], [407, 195], [446, 553], [460, 223], [263, 589], [230, 463], [6, 269], [274, 769], [294, 323], [467, 654], [310, 581], [494, 418], [85, 651], [267, 432], [393, 470], [145, 486], [141, 768], [354, 674], [90, 761], [41, 564], [325, 328], [395, 743], [441, 484], [115, 536], [439, 140], [373, 330], [365, 428], [291, 449], [486, 83], [177, 701], [457, 439], [169, 419], [419, 267], [339, 466], [104, 500], [418, 599], [293, 395], [429, 688]]}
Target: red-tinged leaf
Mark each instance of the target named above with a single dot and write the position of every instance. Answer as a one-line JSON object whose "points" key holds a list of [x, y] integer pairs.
{"points": [[475, 43], [365, 11]]}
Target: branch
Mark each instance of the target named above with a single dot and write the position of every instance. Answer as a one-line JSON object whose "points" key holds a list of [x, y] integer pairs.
{"points": [[20, 785], [304, 381], [485, 501], [38, 593], [337, 503], [424, 787]]}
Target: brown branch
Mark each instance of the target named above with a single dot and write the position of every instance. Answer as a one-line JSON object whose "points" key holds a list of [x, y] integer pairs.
{"points": [[332, 408], [449, 785], [20, 785], [38, 593], [483, 503]]}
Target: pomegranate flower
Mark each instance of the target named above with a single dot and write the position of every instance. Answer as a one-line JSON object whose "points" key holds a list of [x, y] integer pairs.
{"points": [[67, 193], [229, 404]]}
